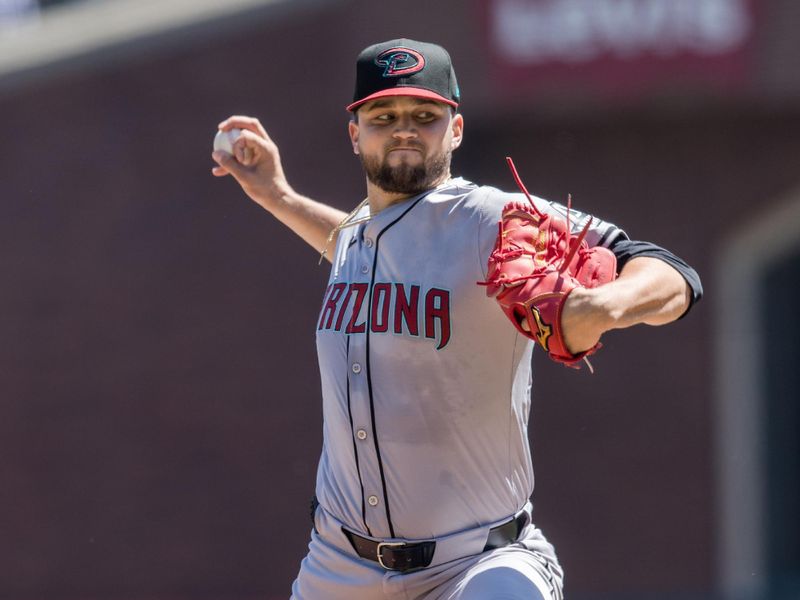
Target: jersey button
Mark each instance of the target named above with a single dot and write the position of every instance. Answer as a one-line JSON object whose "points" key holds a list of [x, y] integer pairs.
{"points": [[361, 434], [364, 269], [373, 500], [368, 242], [356, 368]]}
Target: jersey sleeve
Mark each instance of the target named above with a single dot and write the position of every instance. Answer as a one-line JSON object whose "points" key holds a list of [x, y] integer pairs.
{"points": [[625, 250], [600, 233], [603, 233], [492, 201]]}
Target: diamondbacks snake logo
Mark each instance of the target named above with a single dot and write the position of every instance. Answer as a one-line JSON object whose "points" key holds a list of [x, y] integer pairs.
{"points": [[397, 62]]}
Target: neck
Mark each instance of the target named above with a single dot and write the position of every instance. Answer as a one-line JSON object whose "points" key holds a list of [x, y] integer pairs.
{"points": [[380, 199]]}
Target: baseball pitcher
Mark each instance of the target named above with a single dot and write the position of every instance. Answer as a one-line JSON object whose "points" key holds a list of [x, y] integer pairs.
{"points": [[439, 290]]}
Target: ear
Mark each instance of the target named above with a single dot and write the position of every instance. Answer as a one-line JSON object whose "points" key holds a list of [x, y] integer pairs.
{"points": [[352, 129], [457, 128]]}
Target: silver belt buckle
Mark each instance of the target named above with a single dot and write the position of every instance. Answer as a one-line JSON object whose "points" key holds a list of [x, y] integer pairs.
{"points": [[381, 546]]}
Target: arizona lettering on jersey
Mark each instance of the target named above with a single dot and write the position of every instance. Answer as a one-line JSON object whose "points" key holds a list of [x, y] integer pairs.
{"points": [[393, 307]]}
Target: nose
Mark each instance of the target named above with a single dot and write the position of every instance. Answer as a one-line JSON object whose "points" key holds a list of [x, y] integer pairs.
{"points": [[405, 129]]}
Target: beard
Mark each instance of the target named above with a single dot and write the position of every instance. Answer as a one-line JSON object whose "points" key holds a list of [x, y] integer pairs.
{"points": [[406, 178]]}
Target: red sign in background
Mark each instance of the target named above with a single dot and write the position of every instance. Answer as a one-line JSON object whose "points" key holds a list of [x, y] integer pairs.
{"points": [[619, 48]]}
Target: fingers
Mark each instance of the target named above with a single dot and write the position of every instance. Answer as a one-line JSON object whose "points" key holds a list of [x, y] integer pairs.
{"points": [[219, 171], [227, 164], [245, 153], [254, 160], [245, 123], [246, 147]]}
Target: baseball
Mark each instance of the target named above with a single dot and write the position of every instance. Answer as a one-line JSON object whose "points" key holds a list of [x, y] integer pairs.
{"points": [[224, 140]]}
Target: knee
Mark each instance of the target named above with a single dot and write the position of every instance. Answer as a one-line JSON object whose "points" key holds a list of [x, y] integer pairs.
{"points": [[501, 584]]}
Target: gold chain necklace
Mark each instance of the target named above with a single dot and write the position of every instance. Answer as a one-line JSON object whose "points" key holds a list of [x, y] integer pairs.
{"points": [[348, 221]]}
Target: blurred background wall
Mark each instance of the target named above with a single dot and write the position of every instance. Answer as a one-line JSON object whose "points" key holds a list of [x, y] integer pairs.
{"points": [[159, 398]]}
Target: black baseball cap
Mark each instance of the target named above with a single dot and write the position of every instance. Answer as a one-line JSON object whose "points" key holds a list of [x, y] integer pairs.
{"points": [[405, 67]]}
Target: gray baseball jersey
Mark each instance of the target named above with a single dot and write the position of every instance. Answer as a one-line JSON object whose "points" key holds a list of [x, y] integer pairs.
{"points": [[425, 383]]}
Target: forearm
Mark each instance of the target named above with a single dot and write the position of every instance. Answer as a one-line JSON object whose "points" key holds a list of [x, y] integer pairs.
{"points": [[648, 290], [256, 165], [311, 220]]}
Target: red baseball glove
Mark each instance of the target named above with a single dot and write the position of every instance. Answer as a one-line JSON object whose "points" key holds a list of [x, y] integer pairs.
{"points": [[534, 266]]}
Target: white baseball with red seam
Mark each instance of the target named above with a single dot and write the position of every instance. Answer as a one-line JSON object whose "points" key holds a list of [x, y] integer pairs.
{"points": [[224, 140]]}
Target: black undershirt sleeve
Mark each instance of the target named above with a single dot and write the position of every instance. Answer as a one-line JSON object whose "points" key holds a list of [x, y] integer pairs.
{"points": [[625, 249]]}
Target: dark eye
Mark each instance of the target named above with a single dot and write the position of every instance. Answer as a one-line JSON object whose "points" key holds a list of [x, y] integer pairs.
{"points": [[425, 116]]}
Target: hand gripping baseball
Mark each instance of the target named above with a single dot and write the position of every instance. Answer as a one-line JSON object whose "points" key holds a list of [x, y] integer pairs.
{"points": [[255, 161], [535, 264]]}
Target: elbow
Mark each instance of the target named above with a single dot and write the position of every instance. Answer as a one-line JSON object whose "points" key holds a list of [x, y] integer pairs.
{"points": [[675, 306]]}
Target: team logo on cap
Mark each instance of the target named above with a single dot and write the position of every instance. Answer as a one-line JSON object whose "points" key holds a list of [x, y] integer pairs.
{"points": [[397, 62]]}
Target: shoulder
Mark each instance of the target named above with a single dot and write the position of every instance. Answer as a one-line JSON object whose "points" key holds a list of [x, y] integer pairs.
{"points": [[600, 232], [468, 197], [463, 199], [488, 202]]}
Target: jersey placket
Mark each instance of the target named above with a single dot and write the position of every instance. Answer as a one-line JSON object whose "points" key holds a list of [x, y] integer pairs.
{"points": [[361, 255]]}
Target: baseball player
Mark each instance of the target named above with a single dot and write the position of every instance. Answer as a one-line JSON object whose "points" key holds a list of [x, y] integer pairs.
{"points": [[438, 291]]}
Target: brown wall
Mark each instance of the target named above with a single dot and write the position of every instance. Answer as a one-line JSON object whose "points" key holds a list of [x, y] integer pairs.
{"points": [[159, 398]]}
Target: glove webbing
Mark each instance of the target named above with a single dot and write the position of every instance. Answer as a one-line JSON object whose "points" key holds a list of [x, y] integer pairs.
{"points": [[571, 250]]}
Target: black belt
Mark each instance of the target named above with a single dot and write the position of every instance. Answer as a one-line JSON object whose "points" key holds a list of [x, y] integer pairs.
{"points": [[407, 556]]}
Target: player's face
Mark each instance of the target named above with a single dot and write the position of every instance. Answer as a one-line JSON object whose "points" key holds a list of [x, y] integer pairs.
{"points": [[405, 144]]}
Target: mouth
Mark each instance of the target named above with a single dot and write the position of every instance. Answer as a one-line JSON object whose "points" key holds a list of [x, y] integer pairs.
{"points": [[405, 154], [407, 147]]}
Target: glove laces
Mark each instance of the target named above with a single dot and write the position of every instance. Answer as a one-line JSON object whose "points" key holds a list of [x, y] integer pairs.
{"points": [[571, 248]]}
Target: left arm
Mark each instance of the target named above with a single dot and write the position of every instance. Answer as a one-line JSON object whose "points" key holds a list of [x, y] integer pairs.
{"points": [[648, 290]]}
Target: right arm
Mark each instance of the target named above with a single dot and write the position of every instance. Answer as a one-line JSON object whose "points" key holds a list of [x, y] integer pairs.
{"points": [[256, 166]]}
